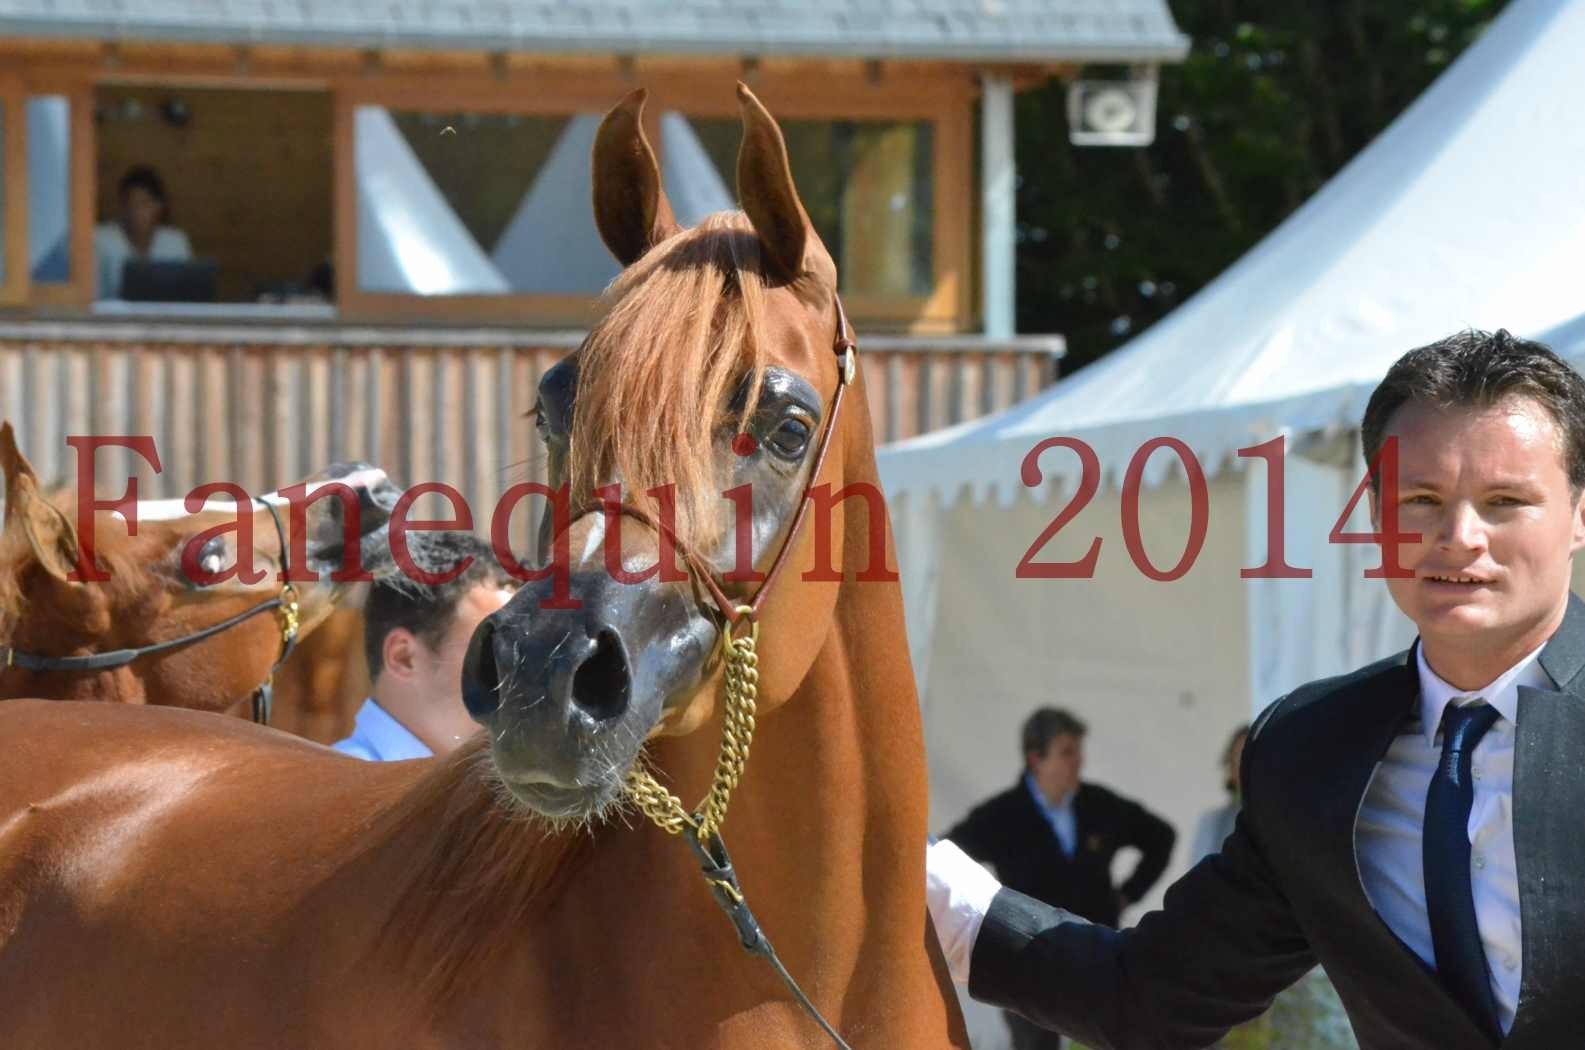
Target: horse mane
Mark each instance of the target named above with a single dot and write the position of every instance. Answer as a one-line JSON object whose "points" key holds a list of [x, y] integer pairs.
{"points": [[484, 864], [683, 324]]}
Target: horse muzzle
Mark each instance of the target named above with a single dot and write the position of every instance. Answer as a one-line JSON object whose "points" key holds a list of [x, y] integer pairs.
{"points": [[569, 696]]}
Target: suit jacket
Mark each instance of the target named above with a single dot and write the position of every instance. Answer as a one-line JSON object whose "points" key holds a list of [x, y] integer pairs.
{"points": [[1010, 832], [1285, 891]]}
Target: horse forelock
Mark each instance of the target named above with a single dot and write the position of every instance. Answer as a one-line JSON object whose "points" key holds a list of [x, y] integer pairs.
{"points": [[683, 325]]}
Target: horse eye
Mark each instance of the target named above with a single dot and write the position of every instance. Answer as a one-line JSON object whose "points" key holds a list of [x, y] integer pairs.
{"points": [[790, 438], [211, 559]]}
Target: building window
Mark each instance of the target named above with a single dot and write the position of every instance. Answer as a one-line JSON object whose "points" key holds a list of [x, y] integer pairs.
{"points": [[213, 195], [453, 203], [457, 203], [867, 188], [49, 188]]}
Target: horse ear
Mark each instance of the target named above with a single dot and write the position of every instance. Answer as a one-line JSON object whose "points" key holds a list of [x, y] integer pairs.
{"points": [[49, 532], [765, 186], [630, 207], [16, 468]]}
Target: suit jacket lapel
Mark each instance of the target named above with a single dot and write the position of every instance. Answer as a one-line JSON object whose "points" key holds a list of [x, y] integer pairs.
{"points": [[1378, 716], [1375, 717], [1549, 842]]}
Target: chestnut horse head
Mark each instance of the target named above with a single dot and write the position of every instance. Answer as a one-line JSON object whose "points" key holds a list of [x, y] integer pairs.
{"points": [[715, 439], [50, 622], [712, 371]]}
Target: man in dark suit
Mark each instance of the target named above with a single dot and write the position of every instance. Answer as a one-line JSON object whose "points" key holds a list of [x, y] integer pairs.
{"points": [[1052, 836], [1418, 826]]}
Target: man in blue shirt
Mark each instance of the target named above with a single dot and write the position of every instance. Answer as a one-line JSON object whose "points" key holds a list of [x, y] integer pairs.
{"points": [[1053, 837], [415, 637]]}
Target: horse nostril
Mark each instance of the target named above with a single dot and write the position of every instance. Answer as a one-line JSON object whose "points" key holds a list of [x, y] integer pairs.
{"points": [[480, 686], [601, 685]]}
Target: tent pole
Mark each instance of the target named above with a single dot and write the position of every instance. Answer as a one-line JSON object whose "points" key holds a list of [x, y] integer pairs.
{"points": [[998, 205]]}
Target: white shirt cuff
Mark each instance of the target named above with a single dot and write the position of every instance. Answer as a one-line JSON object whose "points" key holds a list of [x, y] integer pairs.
{"points": [[959, 893]]}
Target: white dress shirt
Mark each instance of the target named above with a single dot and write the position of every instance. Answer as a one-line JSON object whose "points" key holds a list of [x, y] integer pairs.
{"points": [[1389, 832], [112, 249], [958, 893], [378, 737], [1064, 822]]}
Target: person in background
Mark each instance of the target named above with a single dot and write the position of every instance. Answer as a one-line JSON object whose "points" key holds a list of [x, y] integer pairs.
{"points": [[1217, 824], [415, 638], [1053, 836], [138, 232]]}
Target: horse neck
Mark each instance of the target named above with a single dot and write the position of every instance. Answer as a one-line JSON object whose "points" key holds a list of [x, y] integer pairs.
{"points": [[827, 828]]}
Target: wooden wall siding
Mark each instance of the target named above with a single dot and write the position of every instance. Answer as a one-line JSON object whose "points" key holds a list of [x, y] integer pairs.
{"points": [[262, 415]]}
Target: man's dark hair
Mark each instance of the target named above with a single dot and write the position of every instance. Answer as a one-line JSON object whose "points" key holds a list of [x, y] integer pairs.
{"points": [[1045, 725], [1475, 369], [143, 177], [427, 609]]}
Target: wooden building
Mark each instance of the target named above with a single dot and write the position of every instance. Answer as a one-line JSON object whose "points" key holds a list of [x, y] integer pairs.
{"points": [[390, 234]]}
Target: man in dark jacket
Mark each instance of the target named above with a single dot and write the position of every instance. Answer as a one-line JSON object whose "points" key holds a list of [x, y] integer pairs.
{"points": [[1052, 836], [1415, 826]]}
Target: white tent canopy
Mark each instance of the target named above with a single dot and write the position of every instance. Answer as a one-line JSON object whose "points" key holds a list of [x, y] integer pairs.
{"points": [[551, 244], [1466, 212], [409, 238]]}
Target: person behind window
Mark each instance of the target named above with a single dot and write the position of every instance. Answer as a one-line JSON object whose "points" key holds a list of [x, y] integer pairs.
{"points": [[415, 638], [139, 232]]}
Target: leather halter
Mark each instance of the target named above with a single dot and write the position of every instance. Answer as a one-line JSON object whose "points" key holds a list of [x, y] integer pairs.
{"points": [[261, 697], [846, 348], [704, 839]]}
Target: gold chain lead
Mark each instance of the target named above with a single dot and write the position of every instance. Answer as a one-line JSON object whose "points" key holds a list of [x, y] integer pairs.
{"points": [[740, 658]]}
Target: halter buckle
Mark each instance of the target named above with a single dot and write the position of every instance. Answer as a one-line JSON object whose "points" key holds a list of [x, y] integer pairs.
{"points": [[850, 364], [289, 613], [740, 614]]}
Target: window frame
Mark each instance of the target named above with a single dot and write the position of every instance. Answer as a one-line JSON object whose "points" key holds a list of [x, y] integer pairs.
{"points": [[13, 100], [944, 103], [79, 289]]}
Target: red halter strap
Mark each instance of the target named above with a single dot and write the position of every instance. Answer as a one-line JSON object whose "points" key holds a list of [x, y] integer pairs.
{"points": [[846, 349]]}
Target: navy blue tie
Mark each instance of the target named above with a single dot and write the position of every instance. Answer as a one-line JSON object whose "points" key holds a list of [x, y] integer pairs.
{"points": [[1449, 900]]}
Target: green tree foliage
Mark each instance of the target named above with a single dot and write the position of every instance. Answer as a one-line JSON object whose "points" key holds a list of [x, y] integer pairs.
{"points": [[1276, 96]]}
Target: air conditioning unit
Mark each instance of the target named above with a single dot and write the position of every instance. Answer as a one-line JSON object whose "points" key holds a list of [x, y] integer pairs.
{"points": [[1113, 112]]}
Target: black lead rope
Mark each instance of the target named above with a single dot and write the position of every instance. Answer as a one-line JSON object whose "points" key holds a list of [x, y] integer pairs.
{"points": [[716, 865]]}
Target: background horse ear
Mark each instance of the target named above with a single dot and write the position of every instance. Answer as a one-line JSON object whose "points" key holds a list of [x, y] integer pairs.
{"points": [[630, 207], [49, 532], [765, 186], [14, 464]]}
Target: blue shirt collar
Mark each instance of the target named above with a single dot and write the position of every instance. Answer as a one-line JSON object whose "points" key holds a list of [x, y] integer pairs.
{"points": [[380, 736], [1041, 802]]}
